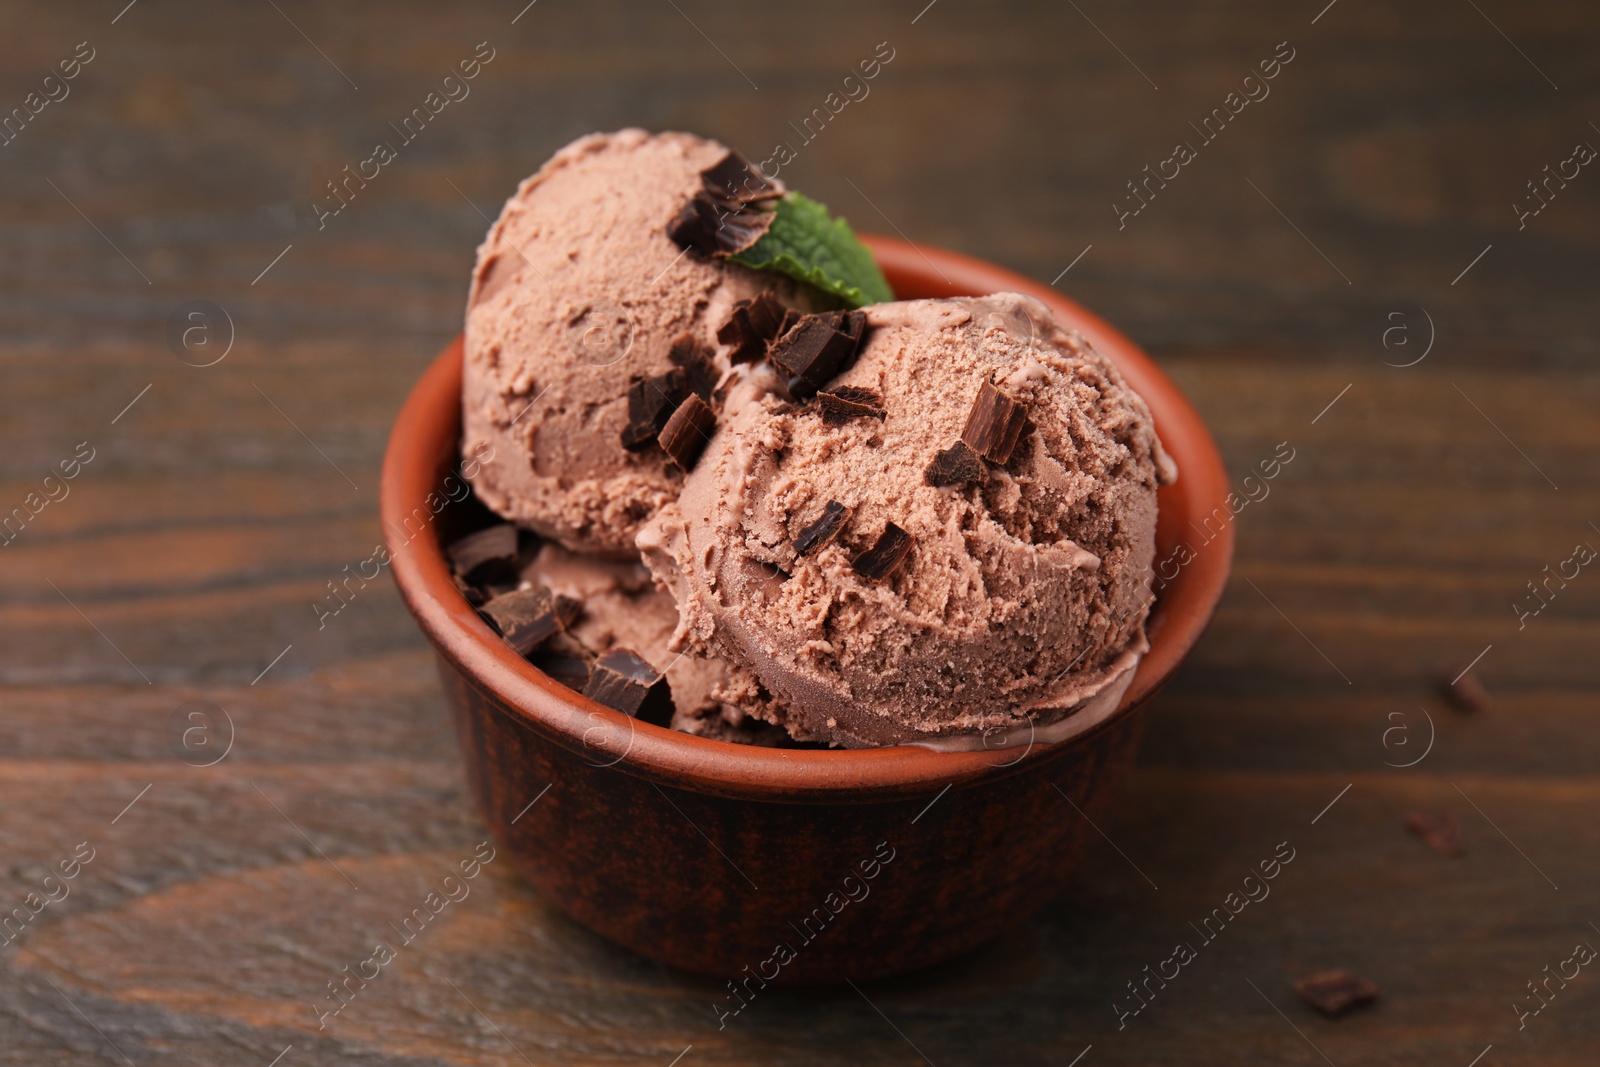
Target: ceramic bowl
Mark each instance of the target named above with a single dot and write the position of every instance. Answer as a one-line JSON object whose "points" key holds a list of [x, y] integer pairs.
{"points": [[757, 865]]}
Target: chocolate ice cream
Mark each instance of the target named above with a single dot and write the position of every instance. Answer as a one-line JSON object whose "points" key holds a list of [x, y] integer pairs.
{"points": [[588, 326], [949, 540]]}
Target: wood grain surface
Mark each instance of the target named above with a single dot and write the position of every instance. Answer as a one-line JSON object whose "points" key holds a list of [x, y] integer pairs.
{"points": [[1372, 190]]}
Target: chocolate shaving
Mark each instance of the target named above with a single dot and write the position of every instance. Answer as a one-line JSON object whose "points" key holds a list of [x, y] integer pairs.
{"points": [[817, 347], [826, 527], [735, 180], [651, 402], [526, 618], [564, 660], [1335, 992], [751, 325], [1442, 833], [1464, 693], [624, 681], [885, 557], [487, 553], [688, 431], [694, 359], [846, 402], [730, 212], [994, 424], [956, 465]]}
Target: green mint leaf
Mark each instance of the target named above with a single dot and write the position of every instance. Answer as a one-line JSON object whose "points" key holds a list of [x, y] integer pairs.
{"points": [[807, 243]]}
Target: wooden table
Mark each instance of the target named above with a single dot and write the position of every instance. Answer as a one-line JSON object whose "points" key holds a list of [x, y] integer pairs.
{"points": [[1366, 201]]}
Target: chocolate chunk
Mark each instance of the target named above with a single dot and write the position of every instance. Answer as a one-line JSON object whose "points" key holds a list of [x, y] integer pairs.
{"points": [[527, 617], [623, 680], [751, 325], [826, 527], [817, 347], [1442, 833], [489, 553], [713, 229], [688, 431], [730, 211], [1464, 693], [1335, 992], [994, 424], [651, 402], [734, 179], [471, 593], [885, 557], [798, 390], [694, 359], [956, 465], [846, 402]]}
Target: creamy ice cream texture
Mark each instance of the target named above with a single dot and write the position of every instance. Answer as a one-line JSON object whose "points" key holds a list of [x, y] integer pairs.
{"points": [[578, 294], [949, 545], [1023, 595]]}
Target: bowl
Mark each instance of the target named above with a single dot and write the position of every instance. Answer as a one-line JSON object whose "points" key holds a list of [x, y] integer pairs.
{"points": [[771, 866]]}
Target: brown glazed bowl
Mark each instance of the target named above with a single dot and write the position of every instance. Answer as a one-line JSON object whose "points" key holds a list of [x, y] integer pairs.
{"points": [[759, 865]]}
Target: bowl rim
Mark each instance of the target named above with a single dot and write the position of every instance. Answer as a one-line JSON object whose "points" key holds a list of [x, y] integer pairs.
{"points": [[422, 446]]}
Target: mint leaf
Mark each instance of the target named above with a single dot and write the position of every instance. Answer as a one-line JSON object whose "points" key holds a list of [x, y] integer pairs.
{"points": [[807, 243]]}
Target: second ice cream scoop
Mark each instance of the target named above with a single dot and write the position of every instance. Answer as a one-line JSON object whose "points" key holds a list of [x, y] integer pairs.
{"points": [[953, 536]]}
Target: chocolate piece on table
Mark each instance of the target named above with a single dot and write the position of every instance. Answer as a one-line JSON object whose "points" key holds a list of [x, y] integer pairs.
{"points": [[651, 402], [623, 680], [846, 402], [688, 431], [826, 527], [956, 465], [1442, 833], [817, 347], [490, 552], [1335, 992], [694, 359], [1464, 693], [885, 557], [751, 325], [994, 424], [528, 617]]}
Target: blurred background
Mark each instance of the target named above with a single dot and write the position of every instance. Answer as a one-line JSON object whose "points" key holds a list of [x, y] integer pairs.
{"points": [[1382, 257]]}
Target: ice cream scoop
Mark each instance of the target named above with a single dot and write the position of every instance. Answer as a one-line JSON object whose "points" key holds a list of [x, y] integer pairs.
{"points": [[588, 325], [949, 538]]}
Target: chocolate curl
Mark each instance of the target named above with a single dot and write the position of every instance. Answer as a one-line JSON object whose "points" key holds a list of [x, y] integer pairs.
{"points": [[651, 402], [824, 529], [843, 403], [956, 465], [751, 326], [994, 424], [688, 431], [885, 557], [485, 554], [730, 212]]}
